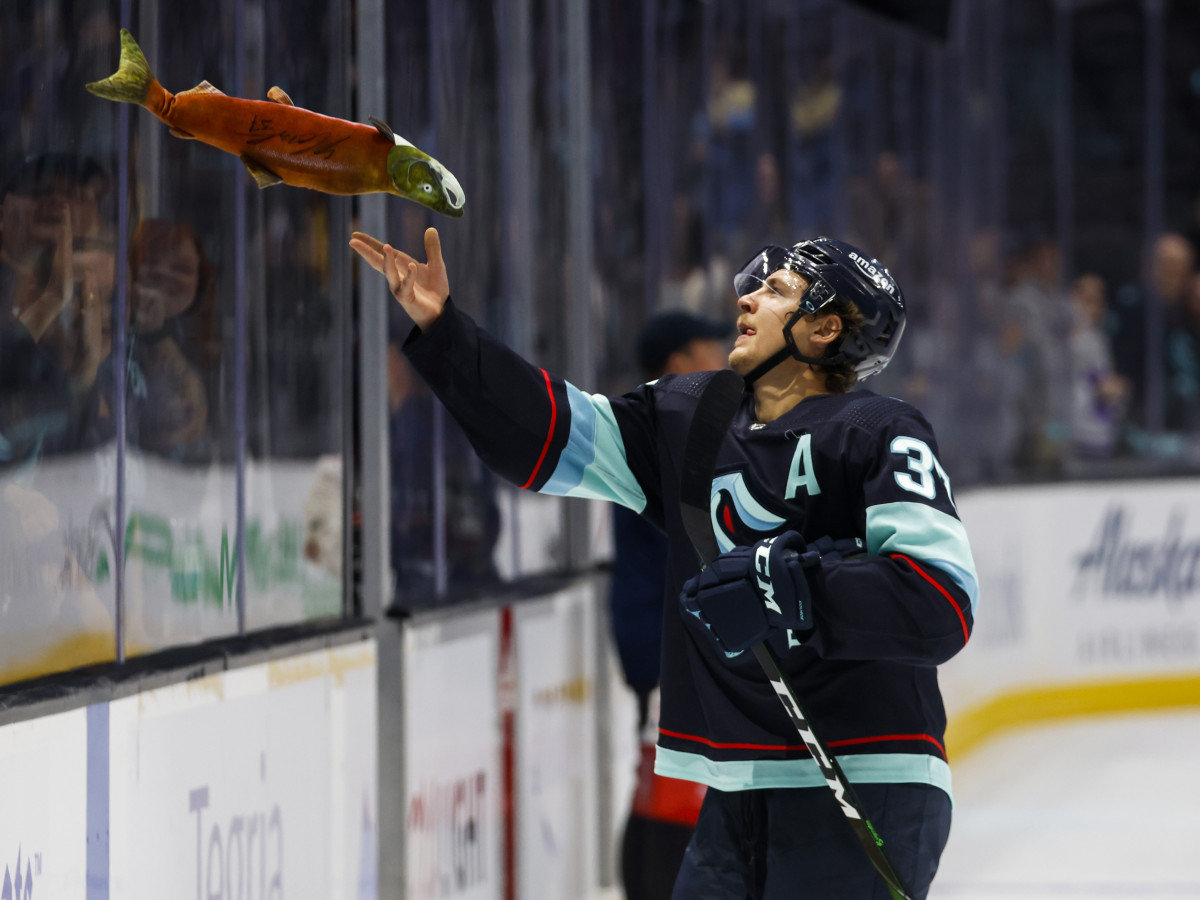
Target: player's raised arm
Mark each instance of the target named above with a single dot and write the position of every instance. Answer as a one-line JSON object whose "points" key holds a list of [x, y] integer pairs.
{"points": [[421, 288]]}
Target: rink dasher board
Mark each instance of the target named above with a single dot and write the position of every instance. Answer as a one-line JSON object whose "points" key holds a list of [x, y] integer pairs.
{"points": [[1089, 603], [500, 714], [253, 782]]}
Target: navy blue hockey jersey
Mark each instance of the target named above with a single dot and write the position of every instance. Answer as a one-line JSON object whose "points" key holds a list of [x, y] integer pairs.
{"points": [[839, 465]]}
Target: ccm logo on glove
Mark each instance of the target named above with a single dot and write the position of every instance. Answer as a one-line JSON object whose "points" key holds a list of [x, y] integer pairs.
{"points": [[749, 593], [762, 572]]}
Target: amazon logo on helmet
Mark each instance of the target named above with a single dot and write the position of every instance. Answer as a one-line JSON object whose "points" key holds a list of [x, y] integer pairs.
{"points": [[878, 274]]}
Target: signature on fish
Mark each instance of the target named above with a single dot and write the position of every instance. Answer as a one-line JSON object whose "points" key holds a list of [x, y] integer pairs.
{"points": [[317, 143]]}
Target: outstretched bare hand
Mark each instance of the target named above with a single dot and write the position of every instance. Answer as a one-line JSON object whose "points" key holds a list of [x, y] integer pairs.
{"points": [[421, 288]]}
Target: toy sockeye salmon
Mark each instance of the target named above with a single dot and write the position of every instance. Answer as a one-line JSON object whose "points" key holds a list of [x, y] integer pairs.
{"points": [[282, 143]]}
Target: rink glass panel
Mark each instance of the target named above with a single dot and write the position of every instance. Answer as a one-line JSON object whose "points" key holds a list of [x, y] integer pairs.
{"points": [[60, 243], [298, 304], [216, 449], [712, 128], [463, 85]]}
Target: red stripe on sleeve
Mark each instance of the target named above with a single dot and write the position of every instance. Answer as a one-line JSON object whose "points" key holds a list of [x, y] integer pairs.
{"points": [[941, 590], [549, 434]]}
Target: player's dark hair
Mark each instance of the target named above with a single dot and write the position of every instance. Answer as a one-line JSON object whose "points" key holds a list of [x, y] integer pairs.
{"points": [[841, 377]]}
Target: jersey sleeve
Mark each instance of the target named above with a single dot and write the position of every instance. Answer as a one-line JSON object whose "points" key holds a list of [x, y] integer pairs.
{"points": [[533, 428], [913, 597]]}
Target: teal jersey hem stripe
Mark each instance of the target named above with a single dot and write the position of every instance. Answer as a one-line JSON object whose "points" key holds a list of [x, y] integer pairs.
{"points": [[593, 462], [928, 535], [758, 774]]}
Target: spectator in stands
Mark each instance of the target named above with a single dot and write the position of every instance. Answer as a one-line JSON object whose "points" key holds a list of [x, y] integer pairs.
{"points": [[1036, 315], [1174, 272], [728, 125], [56, 281], [664, 810], [1183, 362], [981, 426], [1170, 267], [1099, 395], [166, 398], [888, 208]]}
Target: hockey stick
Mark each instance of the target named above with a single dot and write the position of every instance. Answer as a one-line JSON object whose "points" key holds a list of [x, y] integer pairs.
{"points": [[715, 410]]}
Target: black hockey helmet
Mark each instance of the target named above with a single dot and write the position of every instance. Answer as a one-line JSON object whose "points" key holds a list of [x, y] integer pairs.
{"points": [[834, 270]]}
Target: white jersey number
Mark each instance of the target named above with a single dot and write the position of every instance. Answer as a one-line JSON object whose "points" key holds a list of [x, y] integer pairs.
{"points": [[924, 466]]}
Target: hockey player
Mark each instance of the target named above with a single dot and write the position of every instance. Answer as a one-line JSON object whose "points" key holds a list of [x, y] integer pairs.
{"points": [[806, 461]]}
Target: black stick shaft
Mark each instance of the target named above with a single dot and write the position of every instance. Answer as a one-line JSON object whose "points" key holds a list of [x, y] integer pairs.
{"points": [[835, 778]]}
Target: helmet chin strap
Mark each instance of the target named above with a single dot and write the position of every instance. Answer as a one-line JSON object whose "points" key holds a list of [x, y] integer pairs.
{"points": [[790, 351]]}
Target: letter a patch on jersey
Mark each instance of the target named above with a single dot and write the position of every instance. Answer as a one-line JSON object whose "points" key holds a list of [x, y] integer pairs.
{"points": [[801, 474]]}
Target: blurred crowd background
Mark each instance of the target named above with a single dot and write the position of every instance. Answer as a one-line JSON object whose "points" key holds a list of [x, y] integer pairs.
{"points": [[1027, 170]]}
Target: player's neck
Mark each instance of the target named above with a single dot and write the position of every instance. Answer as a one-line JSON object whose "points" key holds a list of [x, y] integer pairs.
{"points": [[780, 389]]}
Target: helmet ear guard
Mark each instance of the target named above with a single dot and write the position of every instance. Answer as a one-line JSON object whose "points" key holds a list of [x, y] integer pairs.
{"points": [[834, 270]]}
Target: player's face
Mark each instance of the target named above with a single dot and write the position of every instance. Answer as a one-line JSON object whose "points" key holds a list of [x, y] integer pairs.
{"points": [[762, 315]]}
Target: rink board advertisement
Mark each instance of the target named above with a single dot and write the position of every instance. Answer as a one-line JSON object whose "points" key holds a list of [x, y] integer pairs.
{"points": [[500, 714], [1089, 601], [452, 759], [44, 807], [57, 540], [556, 827], [259, 782]]}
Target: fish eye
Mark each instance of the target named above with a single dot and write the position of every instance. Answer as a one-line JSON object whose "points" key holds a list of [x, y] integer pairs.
{"points": [[427, 188]]}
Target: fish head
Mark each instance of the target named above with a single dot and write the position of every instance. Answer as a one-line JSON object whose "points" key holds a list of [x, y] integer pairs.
{"points": [[419, 177]]}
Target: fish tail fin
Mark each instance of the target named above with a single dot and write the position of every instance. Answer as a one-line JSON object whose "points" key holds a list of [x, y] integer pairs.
{"points": [[131, 82]]}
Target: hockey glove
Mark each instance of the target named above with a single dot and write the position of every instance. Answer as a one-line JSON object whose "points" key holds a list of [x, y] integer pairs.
{"points": [[746, 594]]}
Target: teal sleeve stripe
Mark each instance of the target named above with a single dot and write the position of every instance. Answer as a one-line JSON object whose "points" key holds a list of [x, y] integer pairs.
{"points": [[927, 535], [748, 775], [593, 462]]}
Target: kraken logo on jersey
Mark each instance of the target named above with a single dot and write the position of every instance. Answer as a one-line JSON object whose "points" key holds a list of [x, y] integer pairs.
{"points": [[738, 518]]}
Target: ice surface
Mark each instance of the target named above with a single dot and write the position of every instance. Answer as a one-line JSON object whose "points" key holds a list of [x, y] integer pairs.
{"points": [[1101, 807]]}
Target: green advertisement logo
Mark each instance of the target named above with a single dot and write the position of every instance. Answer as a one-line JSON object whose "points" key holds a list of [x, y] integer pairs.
{"points": [[196, 573]]}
